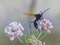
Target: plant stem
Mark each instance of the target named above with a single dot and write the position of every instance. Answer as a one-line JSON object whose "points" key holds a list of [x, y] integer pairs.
{"points": [[43, 36], [25, 38], [20, 39], [39, 35]]}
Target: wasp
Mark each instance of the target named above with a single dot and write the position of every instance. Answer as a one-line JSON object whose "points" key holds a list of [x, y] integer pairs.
{"points": [[38, 16]]}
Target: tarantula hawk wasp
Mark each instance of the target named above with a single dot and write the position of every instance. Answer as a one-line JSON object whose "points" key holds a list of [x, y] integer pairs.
{"points": [[37, 16]]}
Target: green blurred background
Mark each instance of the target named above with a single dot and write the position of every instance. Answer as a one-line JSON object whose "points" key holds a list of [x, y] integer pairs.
{"points": [[12, 10]]}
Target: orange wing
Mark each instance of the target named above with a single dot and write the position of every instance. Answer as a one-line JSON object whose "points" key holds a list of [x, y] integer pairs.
{"points": [[29, 14]]}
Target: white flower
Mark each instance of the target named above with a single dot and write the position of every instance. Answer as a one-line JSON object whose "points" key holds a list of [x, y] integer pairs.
{"points": [[37, 42], [13, 30], [44, 25], [44, 43]]}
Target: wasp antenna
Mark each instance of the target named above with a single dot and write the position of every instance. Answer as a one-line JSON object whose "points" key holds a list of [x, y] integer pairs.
{"points": [[45, 10], [40, 12]]}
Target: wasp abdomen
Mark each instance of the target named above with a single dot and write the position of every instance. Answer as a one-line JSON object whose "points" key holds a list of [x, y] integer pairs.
{"points": [[35, 24]]}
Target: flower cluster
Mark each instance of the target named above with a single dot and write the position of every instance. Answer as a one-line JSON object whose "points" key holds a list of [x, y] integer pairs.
{"points": [[13, 30], [44, 25], [38, 42]]}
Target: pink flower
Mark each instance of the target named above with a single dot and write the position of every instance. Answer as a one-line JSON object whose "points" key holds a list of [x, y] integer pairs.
{"points": [[38, 42], [45, 25], [13, 30]]}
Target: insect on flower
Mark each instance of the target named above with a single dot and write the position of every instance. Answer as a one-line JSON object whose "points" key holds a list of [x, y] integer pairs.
{"points": [[13, 30], [40, 19]]}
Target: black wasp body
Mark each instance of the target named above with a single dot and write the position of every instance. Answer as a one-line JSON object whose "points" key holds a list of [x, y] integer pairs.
{"points": [[38, 17]]}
